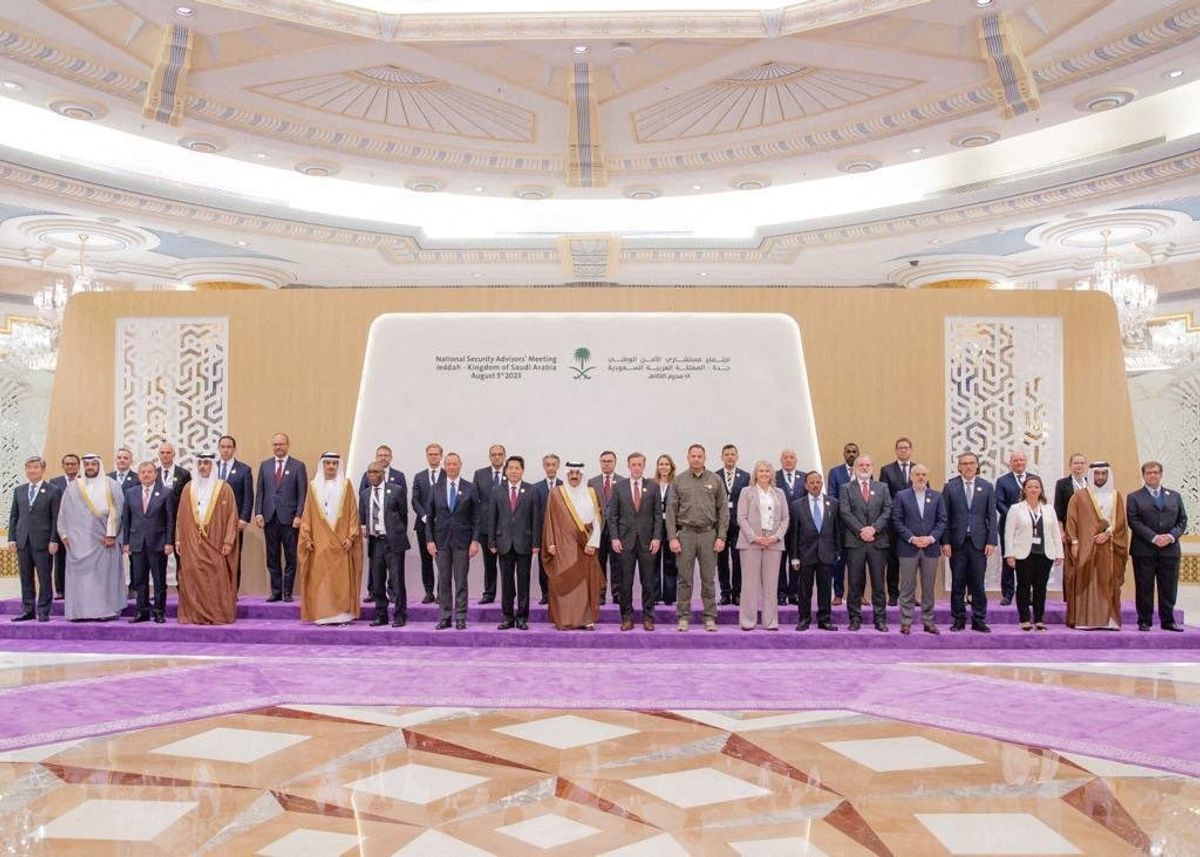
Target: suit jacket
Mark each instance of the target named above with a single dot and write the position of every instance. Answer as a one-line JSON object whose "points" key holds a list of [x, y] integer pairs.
{"points": [[597, 484], [458, 528], [1008, 493], [178, 478], [1064, 490], [979, 518], [750, 520], [35, 525], [393, 477], [741, 479], [893, 477], [422, 492], [395, 514], [1146, 522], [1018, 533], [907, 521], [635, 528], [514, 530], [483, 487], [131, 478], [834, 480], [797, 489], [856, 513], [153, 529], [810, 546], [241, 482], [284, 501]]}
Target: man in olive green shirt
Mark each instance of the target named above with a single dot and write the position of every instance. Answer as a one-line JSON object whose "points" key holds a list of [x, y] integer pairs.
{"points": [[697, 518]]}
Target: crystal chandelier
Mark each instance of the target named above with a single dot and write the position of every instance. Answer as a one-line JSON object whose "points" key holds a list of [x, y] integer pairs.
{"points": [[36, 344], [1135, 298], [1175, 340]]}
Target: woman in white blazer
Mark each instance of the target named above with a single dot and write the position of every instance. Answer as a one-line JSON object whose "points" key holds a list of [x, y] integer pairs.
{"points": [[762, 516], [1034, 543]]}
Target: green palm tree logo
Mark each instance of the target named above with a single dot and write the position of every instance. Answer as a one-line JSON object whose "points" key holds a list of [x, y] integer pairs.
{"points": [[582, 356]]}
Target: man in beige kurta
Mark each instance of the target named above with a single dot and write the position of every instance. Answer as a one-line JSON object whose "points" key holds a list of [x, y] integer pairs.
{"points": [[330, 557], [1099, 543], [206, 531], [570, 537]]}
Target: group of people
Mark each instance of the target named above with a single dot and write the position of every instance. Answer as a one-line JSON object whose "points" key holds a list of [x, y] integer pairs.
{"points": [[758, 539]]}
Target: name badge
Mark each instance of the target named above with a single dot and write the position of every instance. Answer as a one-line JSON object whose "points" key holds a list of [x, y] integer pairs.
{"points": [[729, 504], [1037, 541]]}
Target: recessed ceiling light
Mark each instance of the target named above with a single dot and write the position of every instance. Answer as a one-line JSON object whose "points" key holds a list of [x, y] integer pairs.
{"points": [[916, 150], [262, 156], [580, 49], [935, 240], [479, 188], [477, 275], [982, 3], [11, 85], [243, 243], [695, 187], [702, 274], [1173, 74], [184, 11]]}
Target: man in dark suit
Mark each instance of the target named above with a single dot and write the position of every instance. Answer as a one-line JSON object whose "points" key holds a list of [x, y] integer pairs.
{"points": [[172, 477], [1157, 520], [1009, 488], [729, 561], [550, 464], [634, 521], [838, 476], [514, 526], [815, 531], [487, 478], [422, 492], [241, 481], [791, 482], [70, 467], [603, 484], [970, 538], [123, 473], [918, 521], [897, 476], [453, 533], [393, 477], [147, 537], [278, 503], [1064, 490], [33, 537], [383, 522], [865, 509]]}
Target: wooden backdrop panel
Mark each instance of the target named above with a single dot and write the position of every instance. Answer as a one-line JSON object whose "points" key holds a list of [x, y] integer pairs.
{"points": [[875, 357]]}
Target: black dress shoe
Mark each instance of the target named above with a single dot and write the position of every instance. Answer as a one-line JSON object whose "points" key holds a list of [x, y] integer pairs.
{"points": [[543, 600], [58, 596], [892, 602], [288, 598], [1004, 602], [428, 599], [855, 624], [24, 617], [159, 619], [489, 599], [399, 621], [369, 599], [1173, 628], [442, 625], [506, 624], [906, 629], [958, 626], [782, 600], [932, 629], [522, 625], [1143, 626], [138, 619], [803, 624], [981, 627], [275, 596], [826, 626], [461, 625], [725, 600], [44, 618], [737, 601], [379, 621], [881, 626]]}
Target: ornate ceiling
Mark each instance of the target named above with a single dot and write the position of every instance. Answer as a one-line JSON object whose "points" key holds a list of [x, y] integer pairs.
{"points": [[697, 103]]}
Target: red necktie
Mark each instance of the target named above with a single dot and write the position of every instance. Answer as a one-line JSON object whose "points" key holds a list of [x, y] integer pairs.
{"points": [[278, 472], [866, 489], [637, 495], [512, 499], [607, 489]]}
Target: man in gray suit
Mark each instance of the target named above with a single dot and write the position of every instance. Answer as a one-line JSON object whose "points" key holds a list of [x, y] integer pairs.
{"points": [[865, 509], [634, 522], [32, 536], [603, 484]]}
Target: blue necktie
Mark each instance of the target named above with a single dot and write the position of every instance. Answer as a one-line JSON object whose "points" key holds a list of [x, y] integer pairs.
{"points": [[1158, 500], [33, 493], [453, 496], [817, 514]]}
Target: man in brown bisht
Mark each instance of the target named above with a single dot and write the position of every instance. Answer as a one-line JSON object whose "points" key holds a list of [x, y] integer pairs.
{"points": [[1099, 541], [570, 538], [330, 557], [206, 531]]}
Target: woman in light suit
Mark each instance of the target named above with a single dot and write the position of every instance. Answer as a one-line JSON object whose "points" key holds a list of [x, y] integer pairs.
{"points": [[762, 516], [1034, 542]]}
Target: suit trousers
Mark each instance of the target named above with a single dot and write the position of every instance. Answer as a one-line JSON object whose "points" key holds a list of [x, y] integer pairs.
{"points": [[822, 575], [514, 584], [760, 571], [489, 574], [1008, 581], [543, 581], [860, 560], [386, 577], [893, 571], [610, 567], [452, 566], [968, 565], [1032, 574], [788, 584], [60, 570], [1163, 572], [149, 567], [696, 546], [279, 535], [839, 575], [910, 568], [647, 568], [729, 567], [668, 575], [427, 576], [36, 570]]}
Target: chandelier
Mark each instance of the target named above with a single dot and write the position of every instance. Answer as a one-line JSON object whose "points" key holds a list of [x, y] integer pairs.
{"points": [[1135, 298], [36, 344]]}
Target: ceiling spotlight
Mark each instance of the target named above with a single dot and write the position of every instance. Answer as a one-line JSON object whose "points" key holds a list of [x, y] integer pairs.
{"points": [[242, 243], [1173, 74], [478, 188], [916, 150], [580, 49], [702, 274], [184, 11], [695, 187], [11, 85], [982, 3], [477, 275], [262, 156], [935, 240]]}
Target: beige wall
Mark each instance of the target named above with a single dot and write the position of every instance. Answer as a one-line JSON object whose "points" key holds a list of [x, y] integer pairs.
{"points": [[875, 359]]}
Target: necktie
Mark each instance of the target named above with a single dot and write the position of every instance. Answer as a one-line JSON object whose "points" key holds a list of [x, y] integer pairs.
{"points": [[375, 523], [432, 478], [607, 488], [453, 496], [165, 480], [968, 490], [1158, 500], [32, 493], [222, 472], [637, 494], [512, 498], [145, 500], [818, 515], [278, 472], [789, 481], [904, 467], [866, 491], [495, 478], [729, 482]]}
